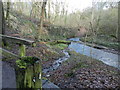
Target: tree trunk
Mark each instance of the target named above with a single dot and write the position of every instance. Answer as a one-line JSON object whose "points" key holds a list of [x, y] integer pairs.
{"points": [[2, 23], [42, 16], [49, 11], [1, 14], [8, 9]]}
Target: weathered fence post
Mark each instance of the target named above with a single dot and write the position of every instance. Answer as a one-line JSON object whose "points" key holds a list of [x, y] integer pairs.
{"points": [[28, 69], [22, 50], [28, 73]]}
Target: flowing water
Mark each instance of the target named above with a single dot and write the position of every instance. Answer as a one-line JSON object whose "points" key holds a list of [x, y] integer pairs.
{"points": [[57, 63], [106, 57]]}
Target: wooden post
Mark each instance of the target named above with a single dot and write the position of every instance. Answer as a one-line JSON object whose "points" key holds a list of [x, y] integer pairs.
{"points": [[2, 23], [29, 77], [37, 73], [22, 50]]}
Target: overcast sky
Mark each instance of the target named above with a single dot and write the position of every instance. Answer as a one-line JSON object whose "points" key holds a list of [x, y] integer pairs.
{"points": [[72, 4], [78, 4]]}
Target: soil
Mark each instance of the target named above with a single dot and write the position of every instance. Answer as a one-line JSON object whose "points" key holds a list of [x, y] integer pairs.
{"points": [[93, 74]]}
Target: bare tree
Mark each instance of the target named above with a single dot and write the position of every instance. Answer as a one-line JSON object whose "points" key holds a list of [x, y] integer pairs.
{"points": [[42, 17], [49, 11], [2, 24], [8, 9], [2, 19]]}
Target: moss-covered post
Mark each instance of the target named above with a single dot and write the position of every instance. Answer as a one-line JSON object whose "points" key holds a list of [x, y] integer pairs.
{"points": [[28, 73], [28, 77], [37, 74], [22, 50], [20, 77]]}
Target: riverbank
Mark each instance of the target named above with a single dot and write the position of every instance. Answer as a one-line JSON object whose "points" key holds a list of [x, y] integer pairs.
{"points": [[80, 71], [112, 44]]}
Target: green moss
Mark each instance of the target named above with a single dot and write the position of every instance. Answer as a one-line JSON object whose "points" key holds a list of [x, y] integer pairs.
{"points": [[25, 61], [61, 46], [28, 77], [63, 41], [27, 70], [22, 50], [38, 75]]}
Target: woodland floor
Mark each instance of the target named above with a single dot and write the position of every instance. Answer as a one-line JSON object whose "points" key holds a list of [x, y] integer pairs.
{"points": [[78, 71]]}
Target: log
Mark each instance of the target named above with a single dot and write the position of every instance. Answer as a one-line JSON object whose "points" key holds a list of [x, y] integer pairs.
{"points": [[8, 54], [16, 40], [63, 41], [60, 41]]}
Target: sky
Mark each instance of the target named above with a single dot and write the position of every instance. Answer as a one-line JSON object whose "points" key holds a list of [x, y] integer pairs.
{"points": [[78, 4], [73, 5]]}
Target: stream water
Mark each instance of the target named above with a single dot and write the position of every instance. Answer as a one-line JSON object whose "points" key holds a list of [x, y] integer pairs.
{"points": [[57, 63], [106, 57]]}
